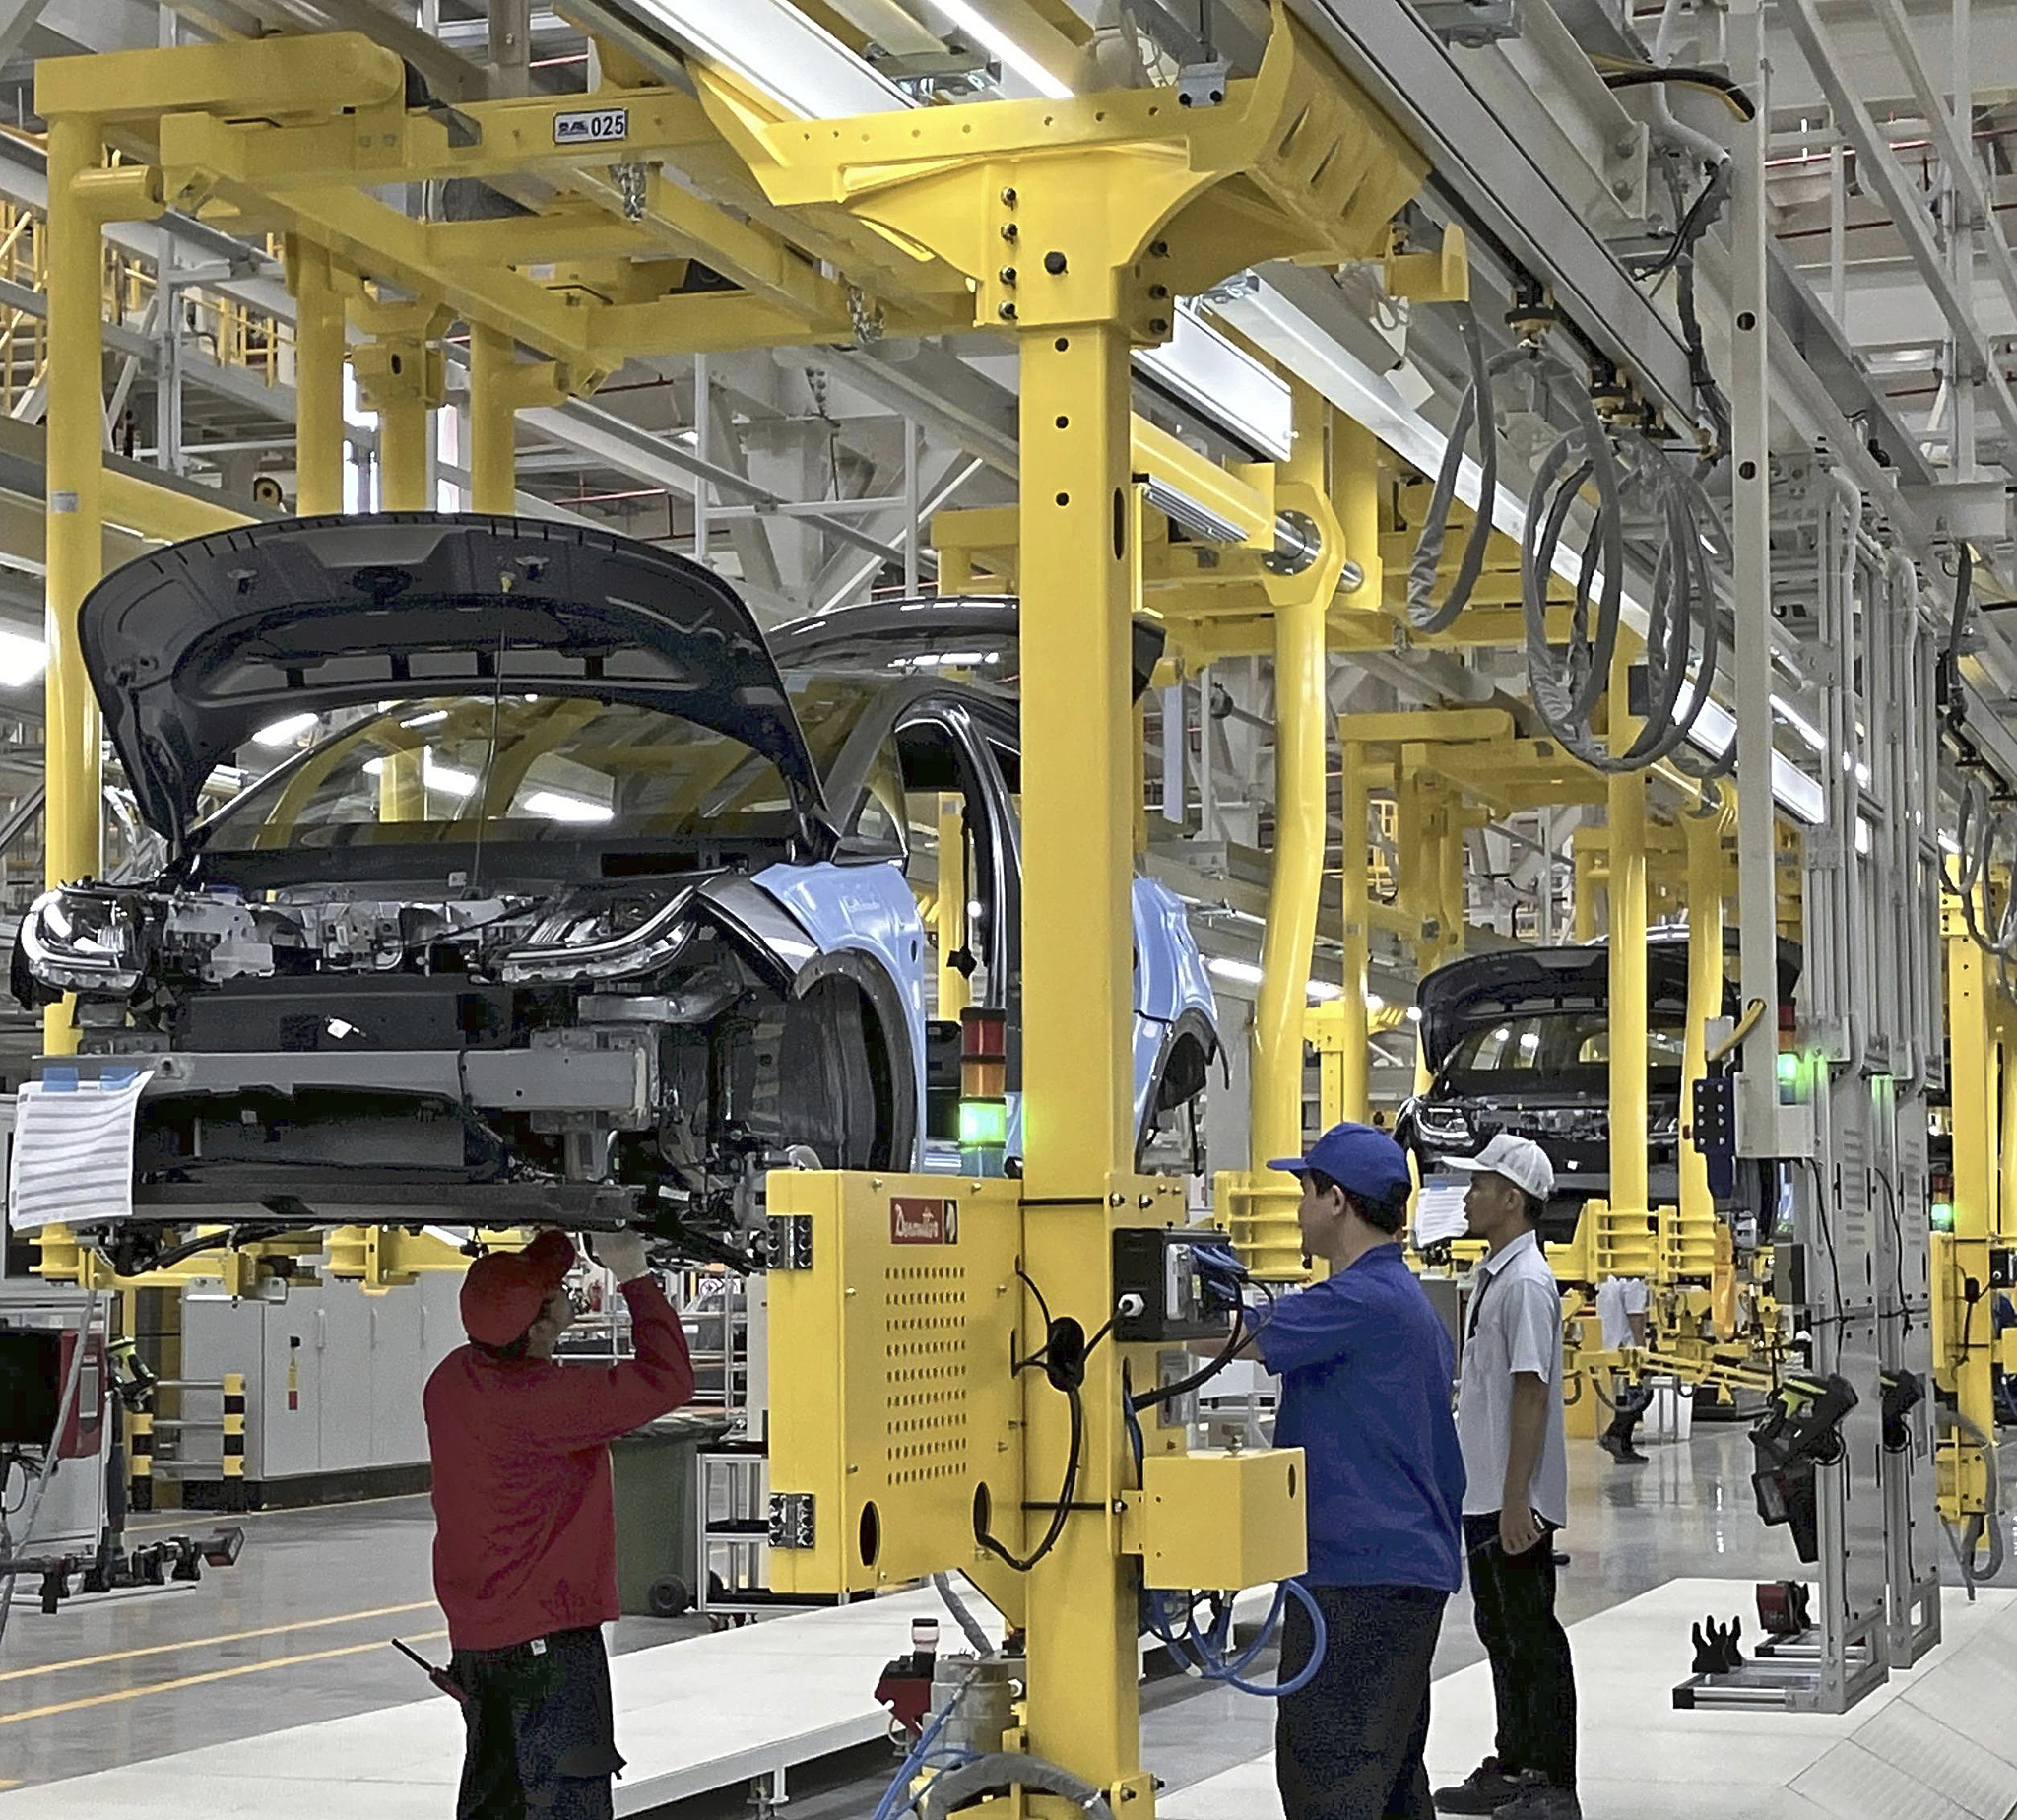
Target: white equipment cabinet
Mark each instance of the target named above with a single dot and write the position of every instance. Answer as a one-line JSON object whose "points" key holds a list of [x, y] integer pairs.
{"points": [[333, 1376]]}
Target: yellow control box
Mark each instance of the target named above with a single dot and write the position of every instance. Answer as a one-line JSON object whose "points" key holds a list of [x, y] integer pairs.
{"points": [[1218, 1519]]}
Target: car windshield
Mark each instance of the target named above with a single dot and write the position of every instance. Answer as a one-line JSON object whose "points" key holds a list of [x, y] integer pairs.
{"points": [[558, 767], [1557, 1052]]}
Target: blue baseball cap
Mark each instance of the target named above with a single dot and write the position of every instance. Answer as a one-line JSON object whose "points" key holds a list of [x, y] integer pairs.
{"points": [[1363, 1161]]}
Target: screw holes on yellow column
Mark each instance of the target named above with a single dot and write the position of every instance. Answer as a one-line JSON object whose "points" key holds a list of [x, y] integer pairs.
{"points": [[1062, 342], [870, 1538], [983, 1509], [1292, 1481], [1063, 498], [1064, 423], [1120, 525]]}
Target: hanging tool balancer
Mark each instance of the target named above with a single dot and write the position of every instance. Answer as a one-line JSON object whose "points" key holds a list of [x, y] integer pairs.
{"points": [[1801, 1432]]}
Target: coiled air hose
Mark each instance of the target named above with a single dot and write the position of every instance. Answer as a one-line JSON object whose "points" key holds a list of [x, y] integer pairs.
{"points": [[1567, 684]]}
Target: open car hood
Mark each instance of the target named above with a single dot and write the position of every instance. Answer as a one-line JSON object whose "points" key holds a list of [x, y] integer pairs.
{"points": [[1486, 988], [193, 648], [969, 634]]}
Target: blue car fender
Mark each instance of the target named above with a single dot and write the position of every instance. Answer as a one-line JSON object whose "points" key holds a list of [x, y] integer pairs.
{"points": [[866, 914], [1172, 988]]}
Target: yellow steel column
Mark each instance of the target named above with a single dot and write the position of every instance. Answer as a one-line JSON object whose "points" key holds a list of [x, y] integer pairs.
{"points": [[1450, 897], [73, 820], [403, 420], [1627, 901], [319, 350], [1964, 1343], [2004, 1217], [1281, 1007], [1077, 558], [1355, 469], [950, 914], [1584, 907], [493, 421], [1704, 993], [1354, 1060]]}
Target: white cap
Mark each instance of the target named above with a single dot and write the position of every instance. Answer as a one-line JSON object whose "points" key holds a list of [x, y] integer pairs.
{"points": [[1521, 1160]]}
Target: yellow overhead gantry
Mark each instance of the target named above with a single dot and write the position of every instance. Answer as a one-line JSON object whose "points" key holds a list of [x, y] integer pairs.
{"points": [[1111, 205]]}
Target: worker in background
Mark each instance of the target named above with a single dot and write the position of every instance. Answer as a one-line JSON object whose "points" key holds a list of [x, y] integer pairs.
{"points": [[1509, 1419], [1621, 1303], [525, 1542], [1366, 1367]]}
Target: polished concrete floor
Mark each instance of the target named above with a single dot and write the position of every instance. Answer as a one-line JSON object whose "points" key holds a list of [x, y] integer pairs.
{"points": [[296, 1632]]}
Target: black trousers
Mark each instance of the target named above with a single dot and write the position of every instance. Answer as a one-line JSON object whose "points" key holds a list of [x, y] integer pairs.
{"points": [[1629, 1402], [1349, 1745], [1533, 1675], [541, 1739]]}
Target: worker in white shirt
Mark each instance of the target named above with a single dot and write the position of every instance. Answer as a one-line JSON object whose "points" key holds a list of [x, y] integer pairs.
{"points": [[1621, 1303], [1516, 1462]]}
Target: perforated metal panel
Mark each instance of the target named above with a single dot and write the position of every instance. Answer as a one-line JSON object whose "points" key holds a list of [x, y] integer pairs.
{"points": [[893, 1397], [925, 1373]]}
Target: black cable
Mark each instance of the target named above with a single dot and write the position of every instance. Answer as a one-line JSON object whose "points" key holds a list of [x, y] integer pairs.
{"points": [[1898, 1246], [1827, 1234], [1687, 76], [1147, 1399], [1029, 1282], [1059, 1511]]}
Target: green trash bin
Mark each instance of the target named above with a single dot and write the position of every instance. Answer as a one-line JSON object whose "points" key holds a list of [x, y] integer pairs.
{"points": [[653, 1475]]}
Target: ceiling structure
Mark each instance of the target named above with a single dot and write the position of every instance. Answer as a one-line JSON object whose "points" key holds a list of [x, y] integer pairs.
{"points": [[809, 475]]}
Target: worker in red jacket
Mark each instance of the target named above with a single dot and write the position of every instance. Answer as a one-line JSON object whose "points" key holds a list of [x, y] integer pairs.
{"points": [[525, 1540]]}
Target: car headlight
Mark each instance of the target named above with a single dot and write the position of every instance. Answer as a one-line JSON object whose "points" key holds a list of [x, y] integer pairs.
{"points": [[605, 939], [83, 940], [1443, 1128]]}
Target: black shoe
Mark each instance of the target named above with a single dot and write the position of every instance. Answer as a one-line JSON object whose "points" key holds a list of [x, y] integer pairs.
{"points": [[1485, 1791], [1539, 1799]]}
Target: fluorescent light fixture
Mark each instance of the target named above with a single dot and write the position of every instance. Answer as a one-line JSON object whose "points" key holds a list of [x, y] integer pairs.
{"points": [[283, 731], [1220, 380], [1816, 740], [1414, 1013], [1949, 844], [985, 32], [433, 718], [1798, 793], [778, 50], [1244, 973], [558, 806], [22, 659], [442, 777], [1862, 835]]}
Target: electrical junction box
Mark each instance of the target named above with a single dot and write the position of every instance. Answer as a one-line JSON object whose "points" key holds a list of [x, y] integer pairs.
{"points": [[1158, 1292], [1219, 1520]]}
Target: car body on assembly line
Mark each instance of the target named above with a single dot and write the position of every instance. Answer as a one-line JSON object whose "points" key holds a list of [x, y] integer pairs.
{"points": [[1519, 1041], [582, 902]]}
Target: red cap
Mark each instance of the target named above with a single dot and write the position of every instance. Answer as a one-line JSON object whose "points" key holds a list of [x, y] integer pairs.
{"points": [[504, 1291]]}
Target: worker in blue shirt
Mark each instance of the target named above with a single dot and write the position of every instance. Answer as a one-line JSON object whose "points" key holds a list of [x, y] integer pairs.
{"points": [[1366, 1369]]}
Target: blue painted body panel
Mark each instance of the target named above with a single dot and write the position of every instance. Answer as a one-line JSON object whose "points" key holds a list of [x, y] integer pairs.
{"points": [[868, 910]]}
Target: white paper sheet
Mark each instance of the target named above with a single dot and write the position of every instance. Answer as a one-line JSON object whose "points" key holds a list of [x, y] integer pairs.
{"points": [[72, 1160], [1439, 1211]]}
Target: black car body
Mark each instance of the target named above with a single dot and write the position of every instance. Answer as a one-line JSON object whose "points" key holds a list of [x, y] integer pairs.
{"points": [[580, 910], [1519, 1041]]}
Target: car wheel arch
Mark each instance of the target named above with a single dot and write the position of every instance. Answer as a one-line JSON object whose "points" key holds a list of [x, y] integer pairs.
{"points": [[883, 1000]]}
